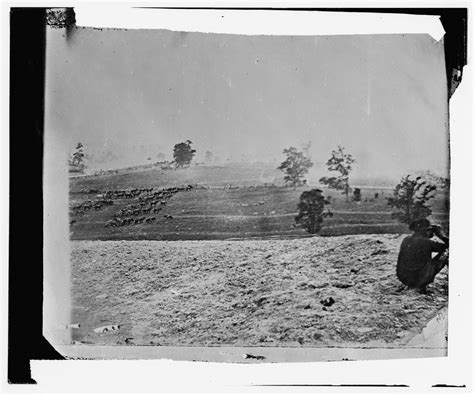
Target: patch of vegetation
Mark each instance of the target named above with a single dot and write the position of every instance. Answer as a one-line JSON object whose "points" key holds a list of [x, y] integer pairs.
{"points": [[183, 154], [311, 210], [295, 167], [341, 163], [410, 199]]}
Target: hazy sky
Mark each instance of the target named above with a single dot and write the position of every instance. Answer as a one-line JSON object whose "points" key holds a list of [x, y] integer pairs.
{"points": [[138, 92]]}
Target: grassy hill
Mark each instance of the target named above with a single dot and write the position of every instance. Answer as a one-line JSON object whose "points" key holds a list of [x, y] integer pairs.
{"points": [[251, 210], [236, 174]]}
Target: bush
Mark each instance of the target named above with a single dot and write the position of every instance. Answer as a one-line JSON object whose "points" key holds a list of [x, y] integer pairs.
{"points": [[410, 198], [311, 210]]}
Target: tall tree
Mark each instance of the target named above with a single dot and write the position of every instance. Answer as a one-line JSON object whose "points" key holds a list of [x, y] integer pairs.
{"points": [[410, 199], [78, 155], [341, 163], [183, 154], [295, 167], [311, 210]]}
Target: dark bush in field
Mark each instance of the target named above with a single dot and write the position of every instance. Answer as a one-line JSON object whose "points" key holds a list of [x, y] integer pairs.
{"points": [[311, 210]]}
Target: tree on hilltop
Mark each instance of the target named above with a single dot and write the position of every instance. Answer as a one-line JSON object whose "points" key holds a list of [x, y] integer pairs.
{"points": [[77, 162], [78, 155], [183, 154], [295, 167]]}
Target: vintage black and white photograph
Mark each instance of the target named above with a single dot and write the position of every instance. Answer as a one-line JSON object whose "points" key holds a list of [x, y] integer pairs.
{"points": [[248, 192]]}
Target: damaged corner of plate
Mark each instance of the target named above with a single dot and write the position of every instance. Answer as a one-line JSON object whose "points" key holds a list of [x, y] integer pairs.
{"points": [[60, 17]]}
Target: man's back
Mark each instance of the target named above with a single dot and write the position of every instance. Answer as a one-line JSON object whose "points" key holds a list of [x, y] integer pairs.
{"points": [[415, 254]]}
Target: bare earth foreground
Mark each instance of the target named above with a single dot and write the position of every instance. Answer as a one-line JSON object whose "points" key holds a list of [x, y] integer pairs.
{"points": [[247, 293]]}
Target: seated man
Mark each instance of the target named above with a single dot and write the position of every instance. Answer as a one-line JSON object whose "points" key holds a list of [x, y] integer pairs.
{"points": [[415, 267]]}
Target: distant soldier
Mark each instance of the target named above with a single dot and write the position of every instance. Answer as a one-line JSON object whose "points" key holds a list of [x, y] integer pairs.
{"points": [[415, 267], [357, 197]]}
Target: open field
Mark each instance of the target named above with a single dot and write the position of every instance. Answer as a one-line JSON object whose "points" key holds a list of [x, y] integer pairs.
{"points": [[227, 267], [220, 213], [247, 293]]}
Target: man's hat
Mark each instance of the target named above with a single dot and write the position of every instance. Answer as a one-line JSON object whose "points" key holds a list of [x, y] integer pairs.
{"points": [[420, 224]]}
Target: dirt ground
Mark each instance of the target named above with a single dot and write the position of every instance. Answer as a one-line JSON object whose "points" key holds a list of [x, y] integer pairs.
{"points": [[247, 293]]}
